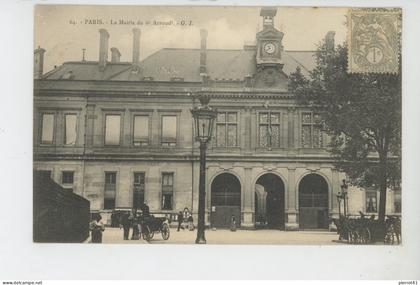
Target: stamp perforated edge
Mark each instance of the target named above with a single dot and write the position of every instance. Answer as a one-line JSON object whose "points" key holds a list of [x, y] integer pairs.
{"points": [[395, 11]]}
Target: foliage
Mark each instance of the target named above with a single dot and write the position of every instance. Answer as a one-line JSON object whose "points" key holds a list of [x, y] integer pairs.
{"points": [[362, 115]]}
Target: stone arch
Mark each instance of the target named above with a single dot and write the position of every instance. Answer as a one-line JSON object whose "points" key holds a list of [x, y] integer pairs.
{"points": [[313, 201], [270, 200], [225, 199]]}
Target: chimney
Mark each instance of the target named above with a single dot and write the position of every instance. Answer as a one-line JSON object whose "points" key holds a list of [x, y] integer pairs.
{"points": [[136, 46], [329, 40], [103, 48], [203, 52], [38, 62], [115, 55]]}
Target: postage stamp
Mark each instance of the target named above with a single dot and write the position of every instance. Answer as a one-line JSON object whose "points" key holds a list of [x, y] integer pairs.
{"points": [[374, 40]]}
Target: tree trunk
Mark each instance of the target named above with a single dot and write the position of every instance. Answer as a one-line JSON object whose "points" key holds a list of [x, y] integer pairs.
{"points": [[382, 185]]}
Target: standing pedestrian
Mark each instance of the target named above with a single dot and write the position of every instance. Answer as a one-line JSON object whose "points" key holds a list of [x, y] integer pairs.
{"points": [[180, 220], [97, 227], [190, 222], [135, 223], [145, 210], [233, 223], [126, 223], [113, 219]]}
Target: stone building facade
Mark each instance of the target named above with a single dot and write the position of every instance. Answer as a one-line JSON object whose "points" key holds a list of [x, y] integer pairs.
{"points": [[121, 133]]}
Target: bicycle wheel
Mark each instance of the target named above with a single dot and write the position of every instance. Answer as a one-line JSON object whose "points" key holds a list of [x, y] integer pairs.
{"points": [[165, 232]]}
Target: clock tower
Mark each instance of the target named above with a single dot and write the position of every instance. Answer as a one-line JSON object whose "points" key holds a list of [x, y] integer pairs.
{"points": [[269, 54], [269, 41]]}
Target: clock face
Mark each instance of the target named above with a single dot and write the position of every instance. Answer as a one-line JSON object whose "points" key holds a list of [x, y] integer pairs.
{"points": [[269, 48]]}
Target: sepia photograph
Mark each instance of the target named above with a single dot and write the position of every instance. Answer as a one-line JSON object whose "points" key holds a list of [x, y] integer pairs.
{"points": [[267, 125]]}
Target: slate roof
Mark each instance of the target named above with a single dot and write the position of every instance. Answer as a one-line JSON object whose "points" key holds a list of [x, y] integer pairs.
{"points": [[169, 63]]}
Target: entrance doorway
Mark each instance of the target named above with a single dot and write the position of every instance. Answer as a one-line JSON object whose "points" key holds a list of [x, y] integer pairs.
{"points": [[269, 202], [313, 202], [225, 200]]}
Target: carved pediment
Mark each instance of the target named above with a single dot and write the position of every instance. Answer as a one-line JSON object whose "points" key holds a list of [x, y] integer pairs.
{"points": [[270, 33], [270, 77]]}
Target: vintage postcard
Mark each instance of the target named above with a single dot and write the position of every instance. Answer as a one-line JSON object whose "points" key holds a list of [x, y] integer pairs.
{"points": [[217, 125]]}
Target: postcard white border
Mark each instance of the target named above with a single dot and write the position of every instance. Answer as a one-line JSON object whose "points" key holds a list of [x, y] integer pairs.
{"points": [[22, 259]]}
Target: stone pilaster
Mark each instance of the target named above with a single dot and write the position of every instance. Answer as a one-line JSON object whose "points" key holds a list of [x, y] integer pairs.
{"points": [[90, 124], [126, 133], [291, 204], [155, 127], [248, 205]]}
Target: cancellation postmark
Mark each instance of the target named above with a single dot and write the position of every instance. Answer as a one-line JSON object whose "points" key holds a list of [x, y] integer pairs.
{"points": [[374, 40]]}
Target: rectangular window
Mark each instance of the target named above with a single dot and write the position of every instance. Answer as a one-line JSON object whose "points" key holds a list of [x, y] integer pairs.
{"points": [[70, 131], [112, 129], [167, 191], [371, 202], [141, 131], [311, 136], [67, 177], [169, 129], [269, 129], [110, 190], [397, 201], [138, 189], [47, 135], [227, 129]]}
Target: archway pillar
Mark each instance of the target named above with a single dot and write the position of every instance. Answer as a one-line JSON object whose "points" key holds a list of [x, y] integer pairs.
{"points": [[248, 219], [292, 223]]}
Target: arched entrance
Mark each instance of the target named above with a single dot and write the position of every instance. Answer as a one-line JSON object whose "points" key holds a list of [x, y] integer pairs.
{"points": [[269, 202], [313, 202], [225, 200]]}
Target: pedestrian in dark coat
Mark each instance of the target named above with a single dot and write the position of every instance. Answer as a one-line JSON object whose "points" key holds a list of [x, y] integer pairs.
{"points": [[135, 222], [113, 219], [145, 210], [126, 223], [180, 220]]}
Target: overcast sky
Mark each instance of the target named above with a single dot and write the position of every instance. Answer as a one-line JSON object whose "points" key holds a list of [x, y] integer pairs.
{"points": [[228, 28]]}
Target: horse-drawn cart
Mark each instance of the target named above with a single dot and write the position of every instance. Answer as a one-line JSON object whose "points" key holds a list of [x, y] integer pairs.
{"points": [[364, 231], [150, 225]]}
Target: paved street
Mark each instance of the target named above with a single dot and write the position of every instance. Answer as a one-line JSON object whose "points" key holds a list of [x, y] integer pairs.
{"points": [[115, 235]]}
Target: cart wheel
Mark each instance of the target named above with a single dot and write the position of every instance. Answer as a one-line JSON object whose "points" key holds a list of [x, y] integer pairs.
{"points": [[165, 231], [146, 233]]}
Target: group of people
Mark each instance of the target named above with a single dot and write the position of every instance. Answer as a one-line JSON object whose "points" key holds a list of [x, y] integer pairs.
{"points": [[126, 221], [185, 220], [133, 220]]}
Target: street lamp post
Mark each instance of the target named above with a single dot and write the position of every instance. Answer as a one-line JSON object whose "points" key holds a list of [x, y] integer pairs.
{"points": [[203, 125], [339, 198], [344, 188]]}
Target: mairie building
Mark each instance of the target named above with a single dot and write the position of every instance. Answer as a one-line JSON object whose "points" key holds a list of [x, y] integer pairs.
{"points": [[121, 134]]}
